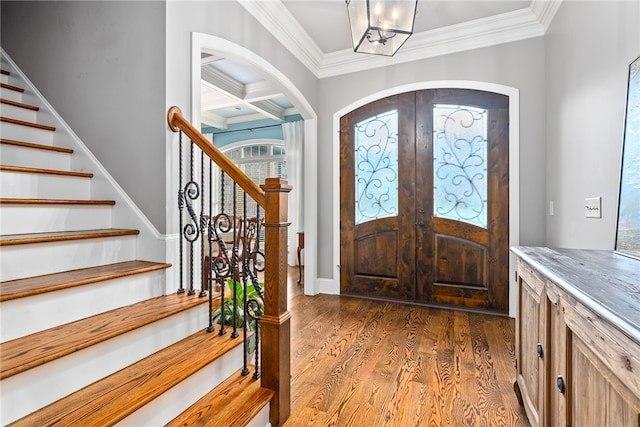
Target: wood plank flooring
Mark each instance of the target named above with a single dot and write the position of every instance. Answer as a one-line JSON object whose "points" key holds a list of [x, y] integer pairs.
{"points": [[357, 362]]}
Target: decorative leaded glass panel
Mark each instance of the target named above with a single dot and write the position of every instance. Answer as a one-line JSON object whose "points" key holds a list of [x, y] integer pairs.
{"points": [[376, 167], [460, 163]]}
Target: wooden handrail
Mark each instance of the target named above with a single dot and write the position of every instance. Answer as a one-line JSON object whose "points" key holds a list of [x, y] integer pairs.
{"points": [[177, 122]]}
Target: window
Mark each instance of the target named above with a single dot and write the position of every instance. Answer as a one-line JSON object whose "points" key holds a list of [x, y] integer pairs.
{"points": [[258, 159]]}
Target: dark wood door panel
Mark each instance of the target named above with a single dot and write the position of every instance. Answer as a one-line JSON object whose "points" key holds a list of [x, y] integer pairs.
{"points": [[460, 295], [460, 261], [377, 255]]}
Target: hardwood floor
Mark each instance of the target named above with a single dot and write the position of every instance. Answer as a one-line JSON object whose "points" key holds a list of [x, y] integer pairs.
{"points": [[357, 362]]}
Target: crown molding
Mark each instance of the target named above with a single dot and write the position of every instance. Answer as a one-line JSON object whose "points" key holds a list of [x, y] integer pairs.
{"points": [[503, 28], [277, 19], [545, 11]]}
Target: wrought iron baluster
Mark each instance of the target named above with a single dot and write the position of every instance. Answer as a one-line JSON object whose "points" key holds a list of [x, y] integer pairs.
{"points": [[209, 264], [254, 307], [180, 212], [245, 268], [223, 247], [234, 262], [191, 231], [203, 227]]}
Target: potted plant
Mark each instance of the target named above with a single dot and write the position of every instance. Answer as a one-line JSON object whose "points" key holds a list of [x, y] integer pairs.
{"points": [[225, 312]]}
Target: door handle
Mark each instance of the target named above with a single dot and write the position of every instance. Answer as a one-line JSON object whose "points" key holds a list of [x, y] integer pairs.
{"points": [[421, 224]]}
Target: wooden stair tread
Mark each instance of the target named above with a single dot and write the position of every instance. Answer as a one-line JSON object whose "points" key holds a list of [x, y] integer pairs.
{"points": [[19, 104], [234, 403], [29, 124], [27, 352], [35, 146], [14, 201], [113, 398], [29, 286], [61, 236], [5, 72], [10, 168], [10, 87]]}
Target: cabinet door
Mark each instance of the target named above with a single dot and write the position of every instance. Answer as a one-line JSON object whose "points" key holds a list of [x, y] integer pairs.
{"points": [[531, 342], [558, 390], [600, 399], [603, 365]]}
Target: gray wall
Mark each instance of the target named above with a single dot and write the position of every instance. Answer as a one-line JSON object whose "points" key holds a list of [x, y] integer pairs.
{"points": [[101, 66], [588, 48], [518, 64]]}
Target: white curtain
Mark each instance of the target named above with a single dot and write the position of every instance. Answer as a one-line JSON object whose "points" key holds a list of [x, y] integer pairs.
{"points": [[293, 133]]}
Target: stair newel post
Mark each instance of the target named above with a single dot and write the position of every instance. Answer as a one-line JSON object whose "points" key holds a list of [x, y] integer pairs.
{"points": [[276, 321]]}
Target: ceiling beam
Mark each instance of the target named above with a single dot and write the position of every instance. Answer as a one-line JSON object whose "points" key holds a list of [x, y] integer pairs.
{"points": [[211, 119], [222, 82], [269, 109]]}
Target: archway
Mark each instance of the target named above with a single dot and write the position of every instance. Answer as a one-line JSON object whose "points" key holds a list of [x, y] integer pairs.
{"points": [[251, 60]]}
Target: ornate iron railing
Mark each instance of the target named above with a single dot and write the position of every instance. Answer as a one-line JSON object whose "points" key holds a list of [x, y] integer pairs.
{"points": [[221, 250]]}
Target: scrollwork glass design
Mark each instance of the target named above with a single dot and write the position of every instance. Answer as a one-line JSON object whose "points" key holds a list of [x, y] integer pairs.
{"points": [[460, 163], [376, 167]]}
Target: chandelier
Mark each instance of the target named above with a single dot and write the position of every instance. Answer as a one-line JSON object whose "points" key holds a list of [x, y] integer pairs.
{"points": [[380, 27]]}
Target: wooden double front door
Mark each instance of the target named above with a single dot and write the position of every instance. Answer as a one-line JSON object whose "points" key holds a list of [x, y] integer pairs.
{"points": [[424, 198]]}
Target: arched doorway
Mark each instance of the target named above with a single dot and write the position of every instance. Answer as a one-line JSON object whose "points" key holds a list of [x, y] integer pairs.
{"points": [[425, 198], [224, 48], [513, 161]]}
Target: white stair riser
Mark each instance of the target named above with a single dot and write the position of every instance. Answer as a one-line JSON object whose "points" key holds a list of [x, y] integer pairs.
{"points": [[40, 386], [24, 316], [13, 78], [173, 402], [26, 134], [4, 78], [33, 158], [11, 95], [20, 261], [19, 219], [43, 186], [18, 113]]}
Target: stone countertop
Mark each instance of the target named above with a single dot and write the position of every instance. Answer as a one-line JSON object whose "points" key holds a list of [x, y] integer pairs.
{"points": [[606, 282]]}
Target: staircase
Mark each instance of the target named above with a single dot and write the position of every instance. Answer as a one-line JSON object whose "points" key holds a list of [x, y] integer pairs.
{"points": [[90, 334]]}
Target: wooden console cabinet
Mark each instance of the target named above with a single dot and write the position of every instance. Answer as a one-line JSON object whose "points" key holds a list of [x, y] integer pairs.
{"points": [[578, 337]]}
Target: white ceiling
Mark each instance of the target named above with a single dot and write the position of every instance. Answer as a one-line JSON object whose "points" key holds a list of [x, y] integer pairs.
{"points": [[317, 32]]}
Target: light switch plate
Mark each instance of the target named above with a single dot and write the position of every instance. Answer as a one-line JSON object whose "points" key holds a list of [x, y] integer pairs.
{"points": [[593, 207]]}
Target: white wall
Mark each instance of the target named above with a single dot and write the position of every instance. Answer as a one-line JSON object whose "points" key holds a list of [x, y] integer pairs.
{"points": [[519, 65], [101, 66], [589, 47]]}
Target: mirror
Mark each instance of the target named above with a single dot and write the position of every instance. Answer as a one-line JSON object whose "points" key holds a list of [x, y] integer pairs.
{"points": [[628, 229]]}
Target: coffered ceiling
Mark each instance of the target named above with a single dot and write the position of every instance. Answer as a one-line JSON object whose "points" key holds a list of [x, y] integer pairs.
{"points": [[317, 33]]}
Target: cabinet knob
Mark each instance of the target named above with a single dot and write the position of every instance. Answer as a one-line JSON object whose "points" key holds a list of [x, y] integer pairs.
{"points": [[561, 385], [540, 351]]}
